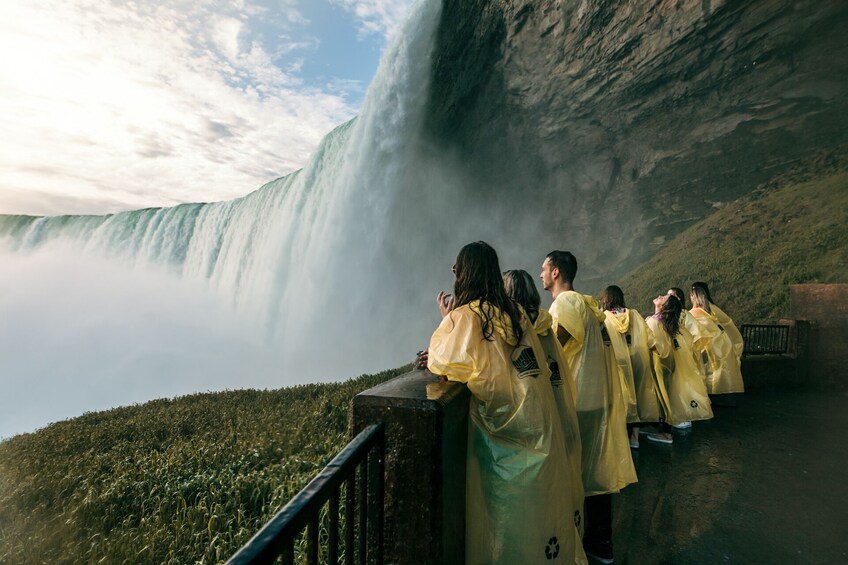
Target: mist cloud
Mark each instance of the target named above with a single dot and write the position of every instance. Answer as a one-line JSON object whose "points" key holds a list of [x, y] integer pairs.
{"points": [[83, 333]]}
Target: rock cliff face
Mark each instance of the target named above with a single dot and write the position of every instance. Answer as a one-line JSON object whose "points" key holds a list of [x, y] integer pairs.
{"points": [[619, 124]]}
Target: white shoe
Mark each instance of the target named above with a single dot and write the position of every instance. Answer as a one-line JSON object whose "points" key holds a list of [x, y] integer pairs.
{"points": [[683, 425]]}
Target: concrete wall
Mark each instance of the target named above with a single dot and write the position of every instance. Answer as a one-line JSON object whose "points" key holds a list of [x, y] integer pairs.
{"points": [[426, 437], [825, 306]]}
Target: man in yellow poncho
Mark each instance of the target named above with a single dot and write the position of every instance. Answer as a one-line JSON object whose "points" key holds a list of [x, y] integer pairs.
{"points": [[607, 462], [519, 507]]}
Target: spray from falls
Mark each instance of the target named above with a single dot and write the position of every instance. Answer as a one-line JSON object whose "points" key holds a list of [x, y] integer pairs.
{"points": [[271, 289]]}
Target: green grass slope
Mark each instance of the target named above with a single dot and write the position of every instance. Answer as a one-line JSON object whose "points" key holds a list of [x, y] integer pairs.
{"points": [[751, 250], [187, 480]]}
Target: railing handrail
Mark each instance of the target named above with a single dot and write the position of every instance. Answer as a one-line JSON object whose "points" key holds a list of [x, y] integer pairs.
{"points": [[766, 339], [266, 545]]}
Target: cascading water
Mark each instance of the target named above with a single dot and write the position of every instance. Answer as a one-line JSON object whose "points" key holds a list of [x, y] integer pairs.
{"points": [[279, 287]]}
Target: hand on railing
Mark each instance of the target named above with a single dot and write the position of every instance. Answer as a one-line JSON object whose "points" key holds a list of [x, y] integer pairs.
{"points": [[421, 364], [421, 360]]}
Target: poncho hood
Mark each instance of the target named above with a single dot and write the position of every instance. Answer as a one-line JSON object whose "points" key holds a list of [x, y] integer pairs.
{"points": [[620, 320], [543, 323], [592, 304]]}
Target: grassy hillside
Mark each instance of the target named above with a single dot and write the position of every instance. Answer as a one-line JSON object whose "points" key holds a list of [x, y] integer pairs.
{"points": [[751, 250], [170, 481]]}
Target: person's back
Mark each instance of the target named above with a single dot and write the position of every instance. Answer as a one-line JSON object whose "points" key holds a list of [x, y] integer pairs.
{"points": [[730, 328], [584, 352], [631, 338], [720, 344], [616, 333], [518, 485], [518, 482], [679, 381], [520, 287], [607, 462]]}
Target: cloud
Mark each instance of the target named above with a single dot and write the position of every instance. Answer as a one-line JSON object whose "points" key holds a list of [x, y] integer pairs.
{"points": [[153, 103], [382, 17]]}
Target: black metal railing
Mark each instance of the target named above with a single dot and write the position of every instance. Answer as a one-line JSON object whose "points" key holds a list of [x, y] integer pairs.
{"points": [[277, 537], [761, 339]]}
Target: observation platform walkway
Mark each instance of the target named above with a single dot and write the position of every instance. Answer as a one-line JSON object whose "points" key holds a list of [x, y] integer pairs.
{"points": [[763, 482]]}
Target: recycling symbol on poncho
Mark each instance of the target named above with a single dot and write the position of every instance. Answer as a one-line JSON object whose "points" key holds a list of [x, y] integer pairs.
{"points": [[552, 550], [693, 404]]}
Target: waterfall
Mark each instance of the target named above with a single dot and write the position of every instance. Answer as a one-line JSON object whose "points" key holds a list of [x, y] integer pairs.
{"points": [[267, 290]]}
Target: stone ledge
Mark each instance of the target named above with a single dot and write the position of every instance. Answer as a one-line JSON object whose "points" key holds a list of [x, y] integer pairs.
{"points": [[426, 426]]}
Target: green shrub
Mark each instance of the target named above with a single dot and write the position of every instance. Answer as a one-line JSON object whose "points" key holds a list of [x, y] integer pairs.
{"points": [[185, 480]]}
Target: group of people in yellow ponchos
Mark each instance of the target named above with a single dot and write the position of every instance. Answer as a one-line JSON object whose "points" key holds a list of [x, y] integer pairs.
{"points": [[695, 354], [553, 394]]}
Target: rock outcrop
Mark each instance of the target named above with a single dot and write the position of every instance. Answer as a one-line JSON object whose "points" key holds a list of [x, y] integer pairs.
{"points": [[619, 124]]}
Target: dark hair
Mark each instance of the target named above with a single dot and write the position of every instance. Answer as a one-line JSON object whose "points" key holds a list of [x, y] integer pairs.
{"points": [[701, 296], [478, 277], [612, 298], [678, 292], [521, 288], [670, 315], [566, 262]]}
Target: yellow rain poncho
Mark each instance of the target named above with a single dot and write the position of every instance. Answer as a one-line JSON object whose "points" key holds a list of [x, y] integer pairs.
{"points": [[631, 342], [519, 506], [720, 345], [606, 460], [680, 383], [693, 331], [730, 328], [564, 394]]}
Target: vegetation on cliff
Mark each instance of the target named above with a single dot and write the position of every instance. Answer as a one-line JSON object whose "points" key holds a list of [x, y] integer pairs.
{"points": [[182, 480], [787, 232]]}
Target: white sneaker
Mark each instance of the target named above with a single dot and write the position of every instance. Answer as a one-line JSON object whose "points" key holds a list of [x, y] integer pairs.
{"points": [[683, 425]]}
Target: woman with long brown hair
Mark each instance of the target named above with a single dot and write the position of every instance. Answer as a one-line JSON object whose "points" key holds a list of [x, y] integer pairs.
{"points": [[680, 385], [521, 288], [519, 497]]}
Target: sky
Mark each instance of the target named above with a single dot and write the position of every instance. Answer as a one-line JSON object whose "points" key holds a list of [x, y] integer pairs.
{"points": [[109, 105]]}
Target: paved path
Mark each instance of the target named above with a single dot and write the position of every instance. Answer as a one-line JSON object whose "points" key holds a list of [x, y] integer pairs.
{"points": [[765, 482]]}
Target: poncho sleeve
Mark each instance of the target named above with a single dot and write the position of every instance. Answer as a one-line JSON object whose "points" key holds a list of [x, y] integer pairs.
{"points": [[453, 346], [731, 330], [661, 341], [459, 352]]}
